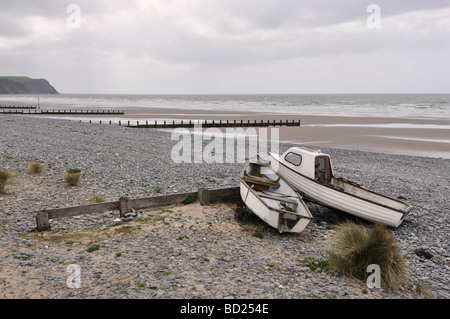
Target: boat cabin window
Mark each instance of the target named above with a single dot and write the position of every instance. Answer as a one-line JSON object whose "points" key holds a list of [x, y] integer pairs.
{"points": [[293, 158]]}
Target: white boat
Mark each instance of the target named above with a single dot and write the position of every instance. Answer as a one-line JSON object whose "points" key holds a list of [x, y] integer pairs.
{"points": [[272, 199], [311, 174]]}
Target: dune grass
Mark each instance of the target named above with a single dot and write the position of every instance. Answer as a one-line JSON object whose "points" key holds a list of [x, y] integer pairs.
{"points": [[35, 168], [97, 199], [355, 247], [5, 178], [72, 177]]}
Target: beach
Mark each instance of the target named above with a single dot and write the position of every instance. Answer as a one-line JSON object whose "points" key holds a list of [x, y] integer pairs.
{"points": [[395, 124], [420, 137], [198, 251]]}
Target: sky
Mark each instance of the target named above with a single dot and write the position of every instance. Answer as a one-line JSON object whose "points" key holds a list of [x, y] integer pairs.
{"points": [[229, 46]]}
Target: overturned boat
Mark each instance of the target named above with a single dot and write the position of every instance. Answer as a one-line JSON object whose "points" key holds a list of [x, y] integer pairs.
{"points": [[310, 173], [271, 198]]}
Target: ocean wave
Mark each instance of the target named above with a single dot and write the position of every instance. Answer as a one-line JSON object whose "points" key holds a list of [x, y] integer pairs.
{"points": [[424, 106]]}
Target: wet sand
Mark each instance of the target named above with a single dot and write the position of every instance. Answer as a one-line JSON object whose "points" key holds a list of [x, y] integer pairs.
{"points": [[410, 136], [421, 137]]}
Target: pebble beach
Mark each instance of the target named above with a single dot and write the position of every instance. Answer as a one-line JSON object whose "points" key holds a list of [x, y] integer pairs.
{"points": [[192, 251]]}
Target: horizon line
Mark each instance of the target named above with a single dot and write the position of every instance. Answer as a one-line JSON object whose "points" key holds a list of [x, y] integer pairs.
{"points": [[401, 93]]}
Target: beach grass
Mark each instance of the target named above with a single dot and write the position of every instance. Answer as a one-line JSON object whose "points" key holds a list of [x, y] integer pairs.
{"points": [[355, 247], [5, 178], [35, 168], [424, 289], [97, 199], [72, 179]]}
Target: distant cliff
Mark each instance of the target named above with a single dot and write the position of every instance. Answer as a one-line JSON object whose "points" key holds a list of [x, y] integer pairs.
{"points": [[25, 85]]}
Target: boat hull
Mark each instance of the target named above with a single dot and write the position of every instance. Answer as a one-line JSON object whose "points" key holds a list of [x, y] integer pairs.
{"points": [[268, 208], [330, 196], [283, 221]]}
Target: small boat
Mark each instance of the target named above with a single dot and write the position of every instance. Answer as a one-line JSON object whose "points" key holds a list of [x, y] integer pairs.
{"points": [[311, 174], [271, 198]]}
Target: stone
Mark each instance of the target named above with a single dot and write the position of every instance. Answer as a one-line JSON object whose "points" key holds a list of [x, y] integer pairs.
{"points": [[165, 285]]}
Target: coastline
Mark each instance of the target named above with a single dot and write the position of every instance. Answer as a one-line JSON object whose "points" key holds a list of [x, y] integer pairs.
{"points": [[119, 161], [408, 136], [391, 130]]}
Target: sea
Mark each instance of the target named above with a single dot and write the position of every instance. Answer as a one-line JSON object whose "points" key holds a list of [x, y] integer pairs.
{"points": [[423, 106]]}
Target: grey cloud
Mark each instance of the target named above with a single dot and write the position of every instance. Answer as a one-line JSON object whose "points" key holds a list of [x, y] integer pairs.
{"points": [[48, 8], [311, 13], [230, 36], [9, 26]]}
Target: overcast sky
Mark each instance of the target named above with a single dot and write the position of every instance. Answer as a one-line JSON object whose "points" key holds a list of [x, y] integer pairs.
{"points": [[229, 46]]}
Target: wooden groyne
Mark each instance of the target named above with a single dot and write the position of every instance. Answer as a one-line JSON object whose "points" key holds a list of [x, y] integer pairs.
{"points": [[157, 124], [211, 123], [63, 112], [18, 107]]}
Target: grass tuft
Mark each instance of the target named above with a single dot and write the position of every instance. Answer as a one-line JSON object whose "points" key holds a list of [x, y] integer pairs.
{"points": [[35, 168], [5, 178], [424, 289], [258, 235], [354, 248], [93, 248], [189, 199], [72, 177], [97, 199], [314, 264], [157, 189]]}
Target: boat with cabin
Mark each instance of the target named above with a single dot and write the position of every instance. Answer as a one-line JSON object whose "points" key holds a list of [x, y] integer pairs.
{"points": [[311, 174]]}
